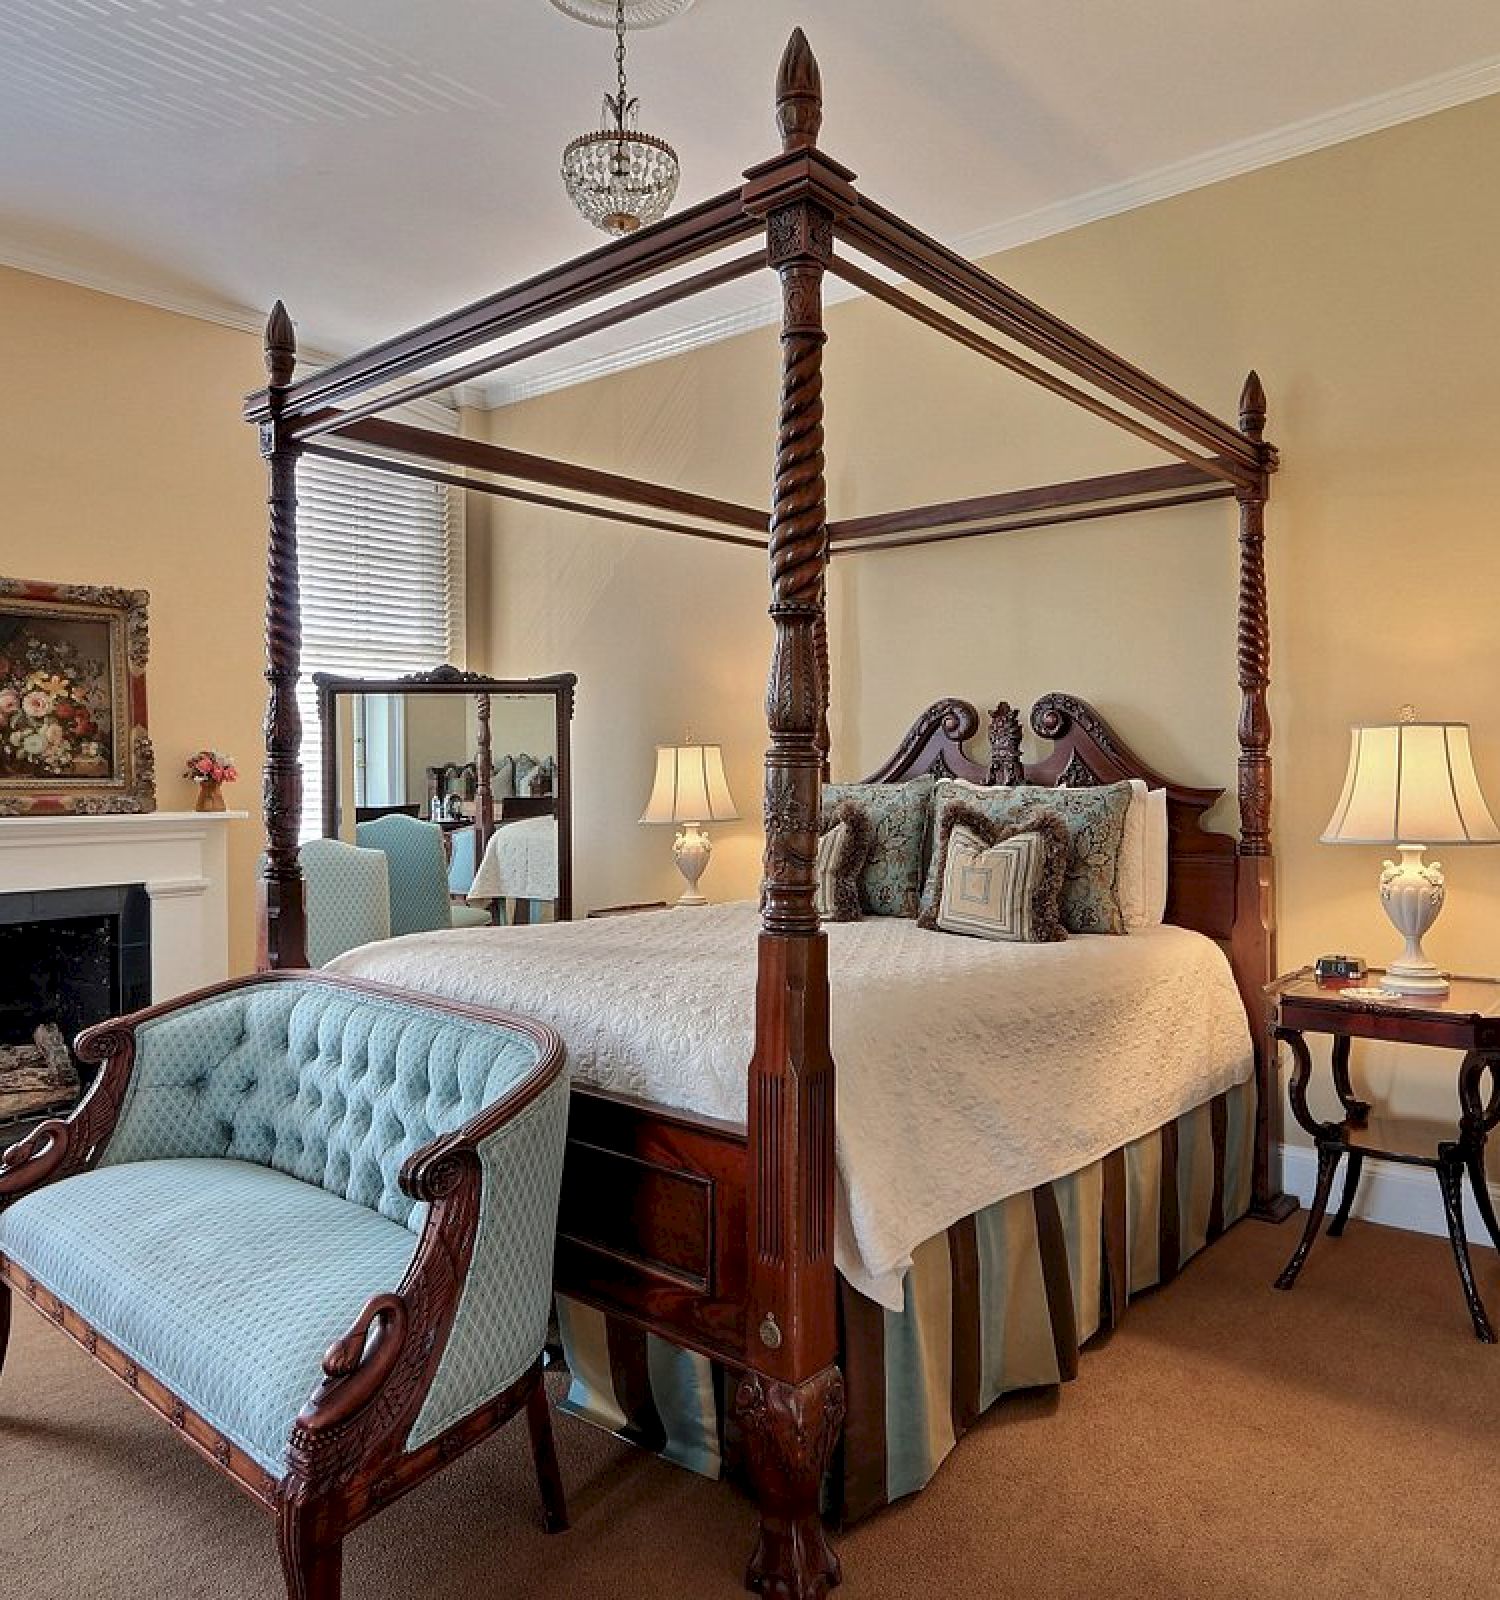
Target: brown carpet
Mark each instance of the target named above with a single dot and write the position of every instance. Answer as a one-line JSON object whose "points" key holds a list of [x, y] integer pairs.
{"points": [[1228, 1441]]}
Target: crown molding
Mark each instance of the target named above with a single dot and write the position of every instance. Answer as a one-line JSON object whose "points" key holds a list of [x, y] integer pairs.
{"points": [[1372, 115], [203, 308], [1405, 104], [1353, 121]]}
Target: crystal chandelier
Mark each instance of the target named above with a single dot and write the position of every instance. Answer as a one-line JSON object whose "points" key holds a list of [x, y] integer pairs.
{"points": [[620, 178]]}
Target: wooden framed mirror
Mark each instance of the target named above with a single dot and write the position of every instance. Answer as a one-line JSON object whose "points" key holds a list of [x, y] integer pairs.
{"points": [[486, 760]]}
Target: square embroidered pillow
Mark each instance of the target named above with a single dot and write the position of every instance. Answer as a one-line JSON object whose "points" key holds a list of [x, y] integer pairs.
{"points": [[843, 850], [1095, 820], [1000, 881], [891, 882]]}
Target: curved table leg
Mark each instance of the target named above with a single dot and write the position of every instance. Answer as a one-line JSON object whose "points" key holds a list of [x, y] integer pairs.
{"points": [[1474, 1161], [1328, 1161], [1351, 1184], [1480, 1113], [1357, 1110], [1451, 1180]]}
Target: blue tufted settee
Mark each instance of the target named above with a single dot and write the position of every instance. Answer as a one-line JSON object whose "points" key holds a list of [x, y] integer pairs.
{"points": [[310, 1221]]}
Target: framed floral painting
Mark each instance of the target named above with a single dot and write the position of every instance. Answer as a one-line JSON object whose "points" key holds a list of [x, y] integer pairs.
{"points": [[73, 700]]}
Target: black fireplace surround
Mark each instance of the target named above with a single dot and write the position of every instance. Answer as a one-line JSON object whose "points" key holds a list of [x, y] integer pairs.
{"points": [[73, 957]]}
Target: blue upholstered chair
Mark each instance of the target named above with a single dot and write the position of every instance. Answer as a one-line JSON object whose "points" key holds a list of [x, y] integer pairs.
{"points": [[463, 859], [348, 898], [418, 870], [310, 1222]]}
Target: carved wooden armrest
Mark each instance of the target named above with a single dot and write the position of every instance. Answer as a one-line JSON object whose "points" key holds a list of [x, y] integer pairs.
{"points": [[62, 1146], [357, 1366], [376, 1377]]}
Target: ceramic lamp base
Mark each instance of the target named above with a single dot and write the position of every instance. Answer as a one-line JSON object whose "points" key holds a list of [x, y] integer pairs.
{"points": [[1412, 894], [691, 850]]}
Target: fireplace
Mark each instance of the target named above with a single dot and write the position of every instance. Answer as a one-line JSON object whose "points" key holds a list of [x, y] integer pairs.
{"points": [[68, 958]]}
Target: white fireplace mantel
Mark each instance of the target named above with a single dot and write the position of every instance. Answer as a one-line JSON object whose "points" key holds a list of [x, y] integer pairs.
{"points": [[180, 857]]}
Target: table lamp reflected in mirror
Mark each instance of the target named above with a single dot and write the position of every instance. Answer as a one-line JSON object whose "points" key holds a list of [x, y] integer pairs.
{"points": [[690, 789], [1407, 782]]}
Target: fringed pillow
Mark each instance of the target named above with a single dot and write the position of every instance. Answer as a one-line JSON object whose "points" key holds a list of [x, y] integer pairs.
{"points": [[891, 882], [848, 836], [1095, 820], [999, 880]]}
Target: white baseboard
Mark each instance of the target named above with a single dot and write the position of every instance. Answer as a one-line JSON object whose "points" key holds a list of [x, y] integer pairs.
{"points": [[1393, 1195]]}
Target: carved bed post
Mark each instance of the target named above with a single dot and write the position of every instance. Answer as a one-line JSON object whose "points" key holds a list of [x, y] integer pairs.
{"points": [[283, 901], [790, 1400], [1255, 909], [825, 680], [484, 785]]}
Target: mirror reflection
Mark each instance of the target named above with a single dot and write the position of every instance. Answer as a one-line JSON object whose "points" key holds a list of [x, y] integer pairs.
{"points": [[463, 783]]}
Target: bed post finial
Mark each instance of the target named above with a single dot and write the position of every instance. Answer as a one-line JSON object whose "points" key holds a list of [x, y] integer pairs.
{"points": [[281, 346], [283, 899], [1253, 407], [799, 95]]}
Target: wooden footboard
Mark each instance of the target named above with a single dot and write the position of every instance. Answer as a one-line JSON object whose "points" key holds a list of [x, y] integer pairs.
{"points": [[652, 1225]]}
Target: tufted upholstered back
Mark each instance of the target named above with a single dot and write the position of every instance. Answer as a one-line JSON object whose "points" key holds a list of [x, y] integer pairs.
{"points": [[334, 1087]]}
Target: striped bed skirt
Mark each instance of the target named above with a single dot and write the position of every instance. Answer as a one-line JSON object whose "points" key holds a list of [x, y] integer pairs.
{"points": [[1003, 1300]]}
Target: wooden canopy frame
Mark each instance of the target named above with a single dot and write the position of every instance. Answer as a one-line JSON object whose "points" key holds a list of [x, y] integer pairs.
{"points": [[758, 1291]]}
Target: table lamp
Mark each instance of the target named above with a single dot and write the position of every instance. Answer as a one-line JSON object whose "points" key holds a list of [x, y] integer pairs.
{"points": [[690, 789], [1407, 782]]}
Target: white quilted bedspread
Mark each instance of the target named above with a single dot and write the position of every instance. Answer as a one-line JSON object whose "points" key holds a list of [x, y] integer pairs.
{"points": [[967, 1070], [520, 862]]}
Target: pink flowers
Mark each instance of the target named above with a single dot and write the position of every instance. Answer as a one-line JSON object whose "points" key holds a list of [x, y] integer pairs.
{"points": [[209, 766]]}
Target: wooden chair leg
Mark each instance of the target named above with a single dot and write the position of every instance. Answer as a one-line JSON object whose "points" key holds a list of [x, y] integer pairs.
{"points": [[311, 1562], [4, 1322], [544, 1456]]}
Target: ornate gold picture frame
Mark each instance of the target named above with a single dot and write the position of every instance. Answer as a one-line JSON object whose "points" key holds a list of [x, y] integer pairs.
{"points": [[73, 735]]}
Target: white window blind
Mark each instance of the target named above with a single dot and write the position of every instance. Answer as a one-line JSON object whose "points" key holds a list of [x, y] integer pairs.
{"points": [[380, 559]]}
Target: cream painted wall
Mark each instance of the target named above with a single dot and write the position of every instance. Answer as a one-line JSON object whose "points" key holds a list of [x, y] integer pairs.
{"points": [[668, 635], [123, 461], [1359, 280]]}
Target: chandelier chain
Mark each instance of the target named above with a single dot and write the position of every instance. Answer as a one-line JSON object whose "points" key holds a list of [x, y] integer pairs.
{"points": [[620, 57]]}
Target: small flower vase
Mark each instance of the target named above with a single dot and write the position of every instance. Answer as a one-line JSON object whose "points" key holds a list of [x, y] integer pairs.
{"points": [[210, 796]]}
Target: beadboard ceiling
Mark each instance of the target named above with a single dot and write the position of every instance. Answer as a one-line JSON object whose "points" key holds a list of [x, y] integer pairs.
{"points": [[378, 162]]}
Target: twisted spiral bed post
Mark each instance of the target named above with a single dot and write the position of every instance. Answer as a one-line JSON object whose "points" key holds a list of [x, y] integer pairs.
{"points": [[790, 1399], [1253, 642], [1254, 934], [283, 900]]}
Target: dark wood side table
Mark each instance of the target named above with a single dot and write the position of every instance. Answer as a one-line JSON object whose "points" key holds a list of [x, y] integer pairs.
{"points": [[1467, 1019]]}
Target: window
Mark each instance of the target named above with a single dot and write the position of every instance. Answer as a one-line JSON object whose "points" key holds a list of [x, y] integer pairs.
{"points": [[381, 564]]}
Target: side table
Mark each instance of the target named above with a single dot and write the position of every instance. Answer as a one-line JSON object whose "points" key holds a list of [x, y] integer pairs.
{"points": [[1466, 1020]]}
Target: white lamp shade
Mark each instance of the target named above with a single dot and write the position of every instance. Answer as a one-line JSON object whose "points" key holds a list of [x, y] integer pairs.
{"points": [[690, 786], [1411, 783]]}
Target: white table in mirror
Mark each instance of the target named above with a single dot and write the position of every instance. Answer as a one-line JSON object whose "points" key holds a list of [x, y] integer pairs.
{"points": [[462, 783]]}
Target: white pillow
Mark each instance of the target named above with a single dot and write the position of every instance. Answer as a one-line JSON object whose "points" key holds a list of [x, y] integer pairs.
{"points": [[1156, 857], [1142, 881]]}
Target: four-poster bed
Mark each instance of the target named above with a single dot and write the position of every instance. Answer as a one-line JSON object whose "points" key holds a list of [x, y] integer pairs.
{"points": [[715, 1236]]}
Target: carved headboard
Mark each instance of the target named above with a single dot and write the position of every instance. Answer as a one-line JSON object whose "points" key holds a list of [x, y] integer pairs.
{"points": [[1202, 868]]}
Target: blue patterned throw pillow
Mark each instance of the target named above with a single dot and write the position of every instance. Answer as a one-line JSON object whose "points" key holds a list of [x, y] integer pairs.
{"points": [[891, 883], [1095, 820]]}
